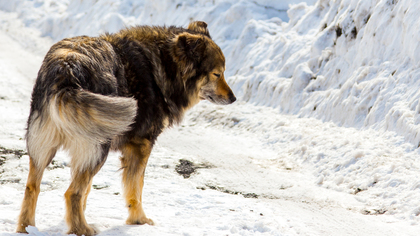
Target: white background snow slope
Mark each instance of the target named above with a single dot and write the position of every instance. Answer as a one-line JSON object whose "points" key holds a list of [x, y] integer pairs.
{"points": [[325, 132]]}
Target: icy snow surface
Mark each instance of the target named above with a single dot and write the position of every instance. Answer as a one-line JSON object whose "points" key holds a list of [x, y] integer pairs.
{"points": [[324, 134]]}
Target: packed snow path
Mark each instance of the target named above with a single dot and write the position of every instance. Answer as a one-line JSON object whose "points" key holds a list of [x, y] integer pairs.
{"points": [[291, 165]]}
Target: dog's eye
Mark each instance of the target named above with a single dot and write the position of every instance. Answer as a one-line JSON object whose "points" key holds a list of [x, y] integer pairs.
{"points": [[217, 75]]}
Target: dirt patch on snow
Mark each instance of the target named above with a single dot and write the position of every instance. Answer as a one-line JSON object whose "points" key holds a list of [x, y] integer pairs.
{"points": [[186, 168]]}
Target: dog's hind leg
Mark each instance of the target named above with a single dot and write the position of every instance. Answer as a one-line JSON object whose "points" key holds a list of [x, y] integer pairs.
{"points": [[87, 194], [134, 160], [76, 194], [42, 142], [75, 199], [27, 213]]}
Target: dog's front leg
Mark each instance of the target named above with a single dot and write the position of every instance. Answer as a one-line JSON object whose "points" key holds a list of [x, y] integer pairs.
{"points": [[134, 160]]}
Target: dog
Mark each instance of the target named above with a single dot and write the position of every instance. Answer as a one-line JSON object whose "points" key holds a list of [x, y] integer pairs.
{"points": [[116, 92]]}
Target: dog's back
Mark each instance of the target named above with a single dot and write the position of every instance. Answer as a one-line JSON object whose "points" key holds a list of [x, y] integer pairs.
{"points": [[75, 103]]}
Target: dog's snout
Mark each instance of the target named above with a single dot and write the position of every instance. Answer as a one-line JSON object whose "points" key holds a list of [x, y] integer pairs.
{"points": [[232, 98]]}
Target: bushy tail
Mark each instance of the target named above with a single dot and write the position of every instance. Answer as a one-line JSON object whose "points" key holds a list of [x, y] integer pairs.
{"points": [[95, 117]]}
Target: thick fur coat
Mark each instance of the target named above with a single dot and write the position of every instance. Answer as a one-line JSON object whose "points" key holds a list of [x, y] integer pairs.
{"points": [[116, 92]]}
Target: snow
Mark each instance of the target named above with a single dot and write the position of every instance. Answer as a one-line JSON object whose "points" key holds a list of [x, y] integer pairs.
{"points": [[325, 132]]}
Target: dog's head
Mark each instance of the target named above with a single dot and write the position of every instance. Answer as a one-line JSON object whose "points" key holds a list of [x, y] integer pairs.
{"points": [[200, 59]]}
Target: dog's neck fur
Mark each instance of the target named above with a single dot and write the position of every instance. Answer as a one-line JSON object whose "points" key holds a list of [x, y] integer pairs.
{"points": [[175, 77]]}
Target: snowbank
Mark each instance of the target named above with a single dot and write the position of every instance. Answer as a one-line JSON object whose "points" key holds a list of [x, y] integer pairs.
{"points": [[351, 62], [65, 18]]}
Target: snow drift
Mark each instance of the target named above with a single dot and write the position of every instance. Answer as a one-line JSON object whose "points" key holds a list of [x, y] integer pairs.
{"points": [[351, 62]]}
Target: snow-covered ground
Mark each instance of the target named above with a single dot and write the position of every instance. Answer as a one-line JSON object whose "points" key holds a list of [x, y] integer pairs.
{"points": [[323, 139]]}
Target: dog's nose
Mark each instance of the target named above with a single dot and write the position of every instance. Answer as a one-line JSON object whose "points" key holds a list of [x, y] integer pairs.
{"points": [[232, 98]]}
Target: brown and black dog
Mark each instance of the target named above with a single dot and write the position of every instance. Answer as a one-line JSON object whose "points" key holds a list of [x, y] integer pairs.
{"points": [[116, 92]]}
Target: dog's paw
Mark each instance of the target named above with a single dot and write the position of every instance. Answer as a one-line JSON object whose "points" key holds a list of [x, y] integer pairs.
{"points": [[140, 221], [21, 229], [87, 231], [95, 229]]}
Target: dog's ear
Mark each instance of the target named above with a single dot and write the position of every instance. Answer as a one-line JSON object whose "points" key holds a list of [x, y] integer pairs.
{"points": [[190, 45], [199, 27]]}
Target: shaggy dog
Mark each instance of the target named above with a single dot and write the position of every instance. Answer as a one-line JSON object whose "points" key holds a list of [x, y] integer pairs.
{"points": [[116, 92]]}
